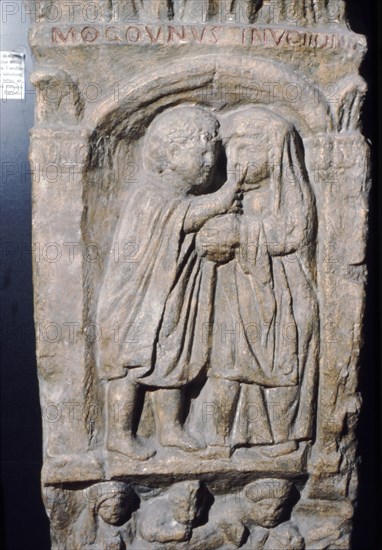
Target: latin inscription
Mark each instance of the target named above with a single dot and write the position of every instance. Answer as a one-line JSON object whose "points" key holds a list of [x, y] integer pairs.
{"points": [[206, 35]]}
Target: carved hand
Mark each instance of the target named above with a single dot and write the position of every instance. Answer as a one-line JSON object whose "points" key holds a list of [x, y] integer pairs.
{"points": [[219, 238], [231, 194]]}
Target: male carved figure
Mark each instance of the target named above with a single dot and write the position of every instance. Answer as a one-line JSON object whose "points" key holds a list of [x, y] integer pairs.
{"points": [[152, 311]]}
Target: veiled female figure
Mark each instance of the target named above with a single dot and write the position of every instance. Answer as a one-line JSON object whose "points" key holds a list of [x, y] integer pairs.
{"points": [[264, 337]]}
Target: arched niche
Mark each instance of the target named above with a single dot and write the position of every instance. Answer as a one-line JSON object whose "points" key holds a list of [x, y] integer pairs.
{"points": [[118, 126]]}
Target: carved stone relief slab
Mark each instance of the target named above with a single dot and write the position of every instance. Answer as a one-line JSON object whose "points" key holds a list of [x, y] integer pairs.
{"points": [[200, 209]]}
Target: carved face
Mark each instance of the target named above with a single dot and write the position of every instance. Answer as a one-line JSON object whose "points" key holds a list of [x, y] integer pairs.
{"points": [[267, 512], [265, 501], [252, 155], [182, 147], [114, 510], [194, 162]]}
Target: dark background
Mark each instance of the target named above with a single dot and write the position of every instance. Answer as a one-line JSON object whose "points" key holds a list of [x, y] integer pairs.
{"points": [[25, 522]]}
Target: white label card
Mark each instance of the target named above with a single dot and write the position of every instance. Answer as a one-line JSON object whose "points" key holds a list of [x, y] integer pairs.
{"points": [[12, 75]]}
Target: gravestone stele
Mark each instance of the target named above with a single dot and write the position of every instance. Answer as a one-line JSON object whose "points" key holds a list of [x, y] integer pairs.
{"points": [[200, 203]]}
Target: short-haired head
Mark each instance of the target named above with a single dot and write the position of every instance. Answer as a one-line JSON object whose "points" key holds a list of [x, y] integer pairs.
{"points": [[182, 141]]}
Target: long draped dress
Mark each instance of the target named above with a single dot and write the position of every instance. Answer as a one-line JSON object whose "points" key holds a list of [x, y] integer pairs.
{"points": [[264, 353]]}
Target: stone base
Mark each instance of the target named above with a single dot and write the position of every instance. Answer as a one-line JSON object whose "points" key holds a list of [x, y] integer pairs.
{"points": [[174, 464]]}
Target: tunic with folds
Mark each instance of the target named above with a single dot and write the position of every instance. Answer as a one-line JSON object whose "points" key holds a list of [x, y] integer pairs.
{"points": [[152, 310]]}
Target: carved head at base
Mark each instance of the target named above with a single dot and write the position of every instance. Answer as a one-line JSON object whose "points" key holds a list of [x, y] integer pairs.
{"points": [[116, 502], [264, 501]]}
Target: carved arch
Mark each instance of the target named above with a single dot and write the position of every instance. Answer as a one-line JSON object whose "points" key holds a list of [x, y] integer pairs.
{"points": [[260, 82]]}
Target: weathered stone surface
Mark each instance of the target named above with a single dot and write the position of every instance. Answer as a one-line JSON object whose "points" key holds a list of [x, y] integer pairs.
{"points": [[200, 220]]}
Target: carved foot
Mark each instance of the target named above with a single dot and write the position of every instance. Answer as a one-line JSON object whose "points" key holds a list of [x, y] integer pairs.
{"points": [[133, 447], [181, 439], [215, 451], [279, 449]]}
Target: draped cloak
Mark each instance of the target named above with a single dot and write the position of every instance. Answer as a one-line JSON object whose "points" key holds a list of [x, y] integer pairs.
{"points": [[152, 308]]}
